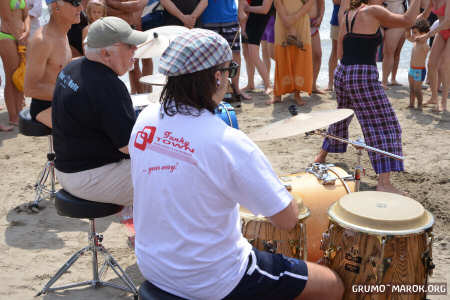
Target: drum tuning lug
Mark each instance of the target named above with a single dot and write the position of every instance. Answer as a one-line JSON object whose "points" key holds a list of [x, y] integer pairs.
{"points": [[270, 246], [325, 241], [330, 253], [428, 262]]}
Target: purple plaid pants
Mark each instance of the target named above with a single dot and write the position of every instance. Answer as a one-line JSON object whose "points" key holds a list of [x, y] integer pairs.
{"points": [[357, 87]]}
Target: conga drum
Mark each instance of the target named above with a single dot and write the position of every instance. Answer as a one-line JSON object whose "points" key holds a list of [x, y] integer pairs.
{"points": [[265, 236], [318, 188], [378, 242]]}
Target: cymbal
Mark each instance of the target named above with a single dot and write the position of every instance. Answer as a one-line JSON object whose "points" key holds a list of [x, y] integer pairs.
{"points": [[299, 124], [155, 79], [140, 100], [153, 47], [158, 40]]}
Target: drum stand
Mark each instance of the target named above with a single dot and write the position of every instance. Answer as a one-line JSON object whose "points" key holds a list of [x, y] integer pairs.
{"points": [[359, 145]]}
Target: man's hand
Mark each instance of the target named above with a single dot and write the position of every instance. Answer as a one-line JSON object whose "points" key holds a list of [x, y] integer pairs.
{"points": [[189, 21], [422, 38]]}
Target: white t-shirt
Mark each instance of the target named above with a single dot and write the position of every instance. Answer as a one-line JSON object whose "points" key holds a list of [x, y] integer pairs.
{"points": [[189, 175]]}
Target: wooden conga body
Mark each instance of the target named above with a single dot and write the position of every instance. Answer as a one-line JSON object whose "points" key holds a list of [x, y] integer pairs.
{"points": [[379, 243], [265, 236]]}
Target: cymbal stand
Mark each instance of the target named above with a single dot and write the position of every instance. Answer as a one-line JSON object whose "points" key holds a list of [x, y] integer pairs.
{"points": [[358, 144]]}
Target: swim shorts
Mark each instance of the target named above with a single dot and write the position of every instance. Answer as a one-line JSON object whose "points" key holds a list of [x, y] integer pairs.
{"points": [[418, 73]]}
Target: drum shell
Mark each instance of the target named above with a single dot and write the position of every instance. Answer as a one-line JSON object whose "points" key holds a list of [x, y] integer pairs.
{"points": [[265, 236], [318, 198], [226, 112], [361, 259]]}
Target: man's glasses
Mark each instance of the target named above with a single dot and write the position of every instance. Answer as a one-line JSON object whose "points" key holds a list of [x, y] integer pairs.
{"points": [[74, 3], [232, 69]]}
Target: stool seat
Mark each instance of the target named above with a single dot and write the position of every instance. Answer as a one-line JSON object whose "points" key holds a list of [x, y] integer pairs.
{"points": [[148, 291], [70, 206], [30, 127]]}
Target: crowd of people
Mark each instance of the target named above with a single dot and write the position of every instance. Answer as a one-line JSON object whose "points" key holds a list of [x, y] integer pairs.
{"points": [[288, 32], [184, 170]]}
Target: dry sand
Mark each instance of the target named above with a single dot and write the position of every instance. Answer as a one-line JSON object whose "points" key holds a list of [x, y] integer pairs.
{"points": [[34, 246]]}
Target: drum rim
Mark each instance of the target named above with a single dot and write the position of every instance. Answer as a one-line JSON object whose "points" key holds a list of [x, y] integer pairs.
{"points": [[301, 216], [347, 225]]}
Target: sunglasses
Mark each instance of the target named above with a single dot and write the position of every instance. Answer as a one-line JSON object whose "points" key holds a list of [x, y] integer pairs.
{"points": [[74, 3], [232, 69]]}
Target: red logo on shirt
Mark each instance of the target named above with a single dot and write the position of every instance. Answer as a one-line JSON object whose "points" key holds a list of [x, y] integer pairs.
{"points": [[144, 137]]}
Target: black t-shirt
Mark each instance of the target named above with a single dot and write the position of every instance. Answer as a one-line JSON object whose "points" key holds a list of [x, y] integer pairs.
{"points": [[92, 116], [186, 7]]}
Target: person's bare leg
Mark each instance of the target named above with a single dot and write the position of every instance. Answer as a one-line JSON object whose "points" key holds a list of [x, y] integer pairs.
{"points": [[332, 64], [274, 99], [147, 69], [235, 79], [384, 184], [444, 76], [253, 51], [13, 98], [394, 81], [265, 55], [418, 94], [391, 40], [323, 284], [433, 67], [45, 117], [317, 61], [412, 94], [250, 69], [298, 99], [321, 157]]}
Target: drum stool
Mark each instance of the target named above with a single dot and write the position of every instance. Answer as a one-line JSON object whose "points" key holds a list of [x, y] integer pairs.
{"points": [[73, 207], [29, 127], [148, 291]]}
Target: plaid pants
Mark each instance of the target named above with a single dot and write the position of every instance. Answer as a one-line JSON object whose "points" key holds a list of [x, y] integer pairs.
{"points": [[357, 87]]}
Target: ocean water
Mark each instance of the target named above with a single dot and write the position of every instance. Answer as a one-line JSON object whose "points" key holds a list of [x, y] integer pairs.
{"points": [[402, 74]]}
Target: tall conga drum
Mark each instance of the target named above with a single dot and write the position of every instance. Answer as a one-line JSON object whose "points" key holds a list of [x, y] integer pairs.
{"points": [[266, 237], [378, 242]]}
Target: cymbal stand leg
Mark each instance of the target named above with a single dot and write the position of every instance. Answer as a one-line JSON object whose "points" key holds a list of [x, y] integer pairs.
{"points": [[358, 171]]}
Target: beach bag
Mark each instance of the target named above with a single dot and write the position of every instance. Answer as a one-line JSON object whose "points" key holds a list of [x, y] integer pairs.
{"points": [[18, 76], [153, 15]]}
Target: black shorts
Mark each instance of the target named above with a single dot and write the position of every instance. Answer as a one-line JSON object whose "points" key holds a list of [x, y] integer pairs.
{"points": [[256, 24], [37, 106], [228, 31], [271, 276]]}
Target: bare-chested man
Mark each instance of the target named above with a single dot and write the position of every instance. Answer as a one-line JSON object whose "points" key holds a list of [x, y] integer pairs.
{"points": [[131, 11], [48, 53], [316, 15]]}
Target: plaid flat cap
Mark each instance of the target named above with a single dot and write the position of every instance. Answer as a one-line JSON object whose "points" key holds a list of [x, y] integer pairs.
{"points": [[193, 51]]}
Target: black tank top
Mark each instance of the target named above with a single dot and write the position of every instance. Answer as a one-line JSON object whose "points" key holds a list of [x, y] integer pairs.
{"points": [[360, 49]]}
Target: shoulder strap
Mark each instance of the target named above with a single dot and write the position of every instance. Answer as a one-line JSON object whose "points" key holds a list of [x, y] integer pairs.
{"points": [[346, 20], [353, 21]]}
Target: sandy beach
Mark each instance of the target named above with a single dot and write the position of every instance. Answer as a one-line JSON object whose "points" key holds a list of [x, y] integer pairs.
{"points": [[34, 246]]}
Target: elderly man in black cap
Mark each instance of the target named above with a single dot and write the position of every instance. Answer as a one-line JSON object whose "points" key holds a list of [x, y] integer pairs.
{"points": [[93, 115]]}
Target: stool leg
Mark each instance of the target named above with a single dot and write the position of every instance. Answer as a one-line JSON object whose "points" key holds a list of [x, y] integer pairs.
{"points": [[39, 186], [93, 241], [112, 263], [62, 270], [48, 170]]}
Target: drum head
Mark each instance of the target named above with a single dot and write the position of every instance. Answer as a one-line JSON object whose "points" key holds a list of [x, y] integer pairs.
{"points": [[381, 213]]}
